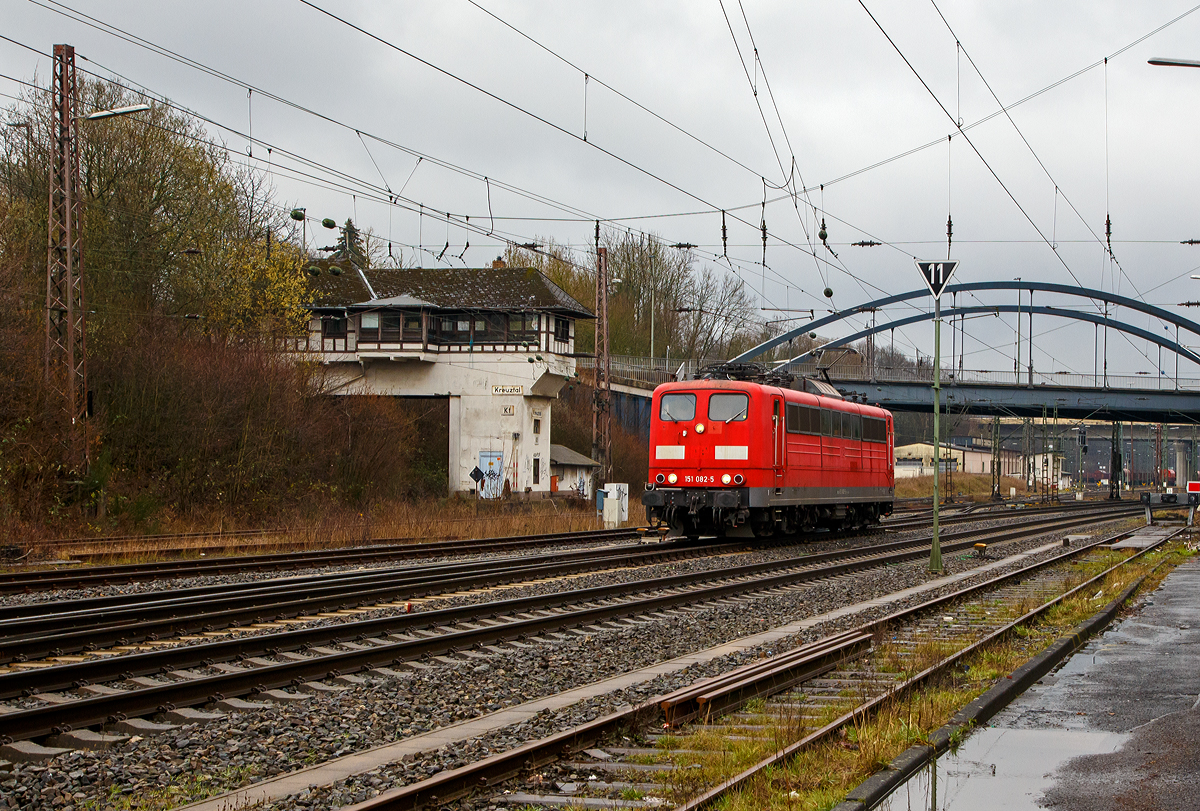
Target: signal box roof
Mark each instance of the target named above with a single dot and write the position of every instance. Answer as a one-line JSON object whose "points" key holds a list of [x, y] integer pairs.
{"points": [[501, 289]]}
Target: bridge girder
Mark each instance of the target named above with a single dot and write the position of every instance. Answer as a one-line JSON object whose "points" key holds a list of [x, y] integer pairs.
{"points": [[1166, 343], [1032, 286], [1075, 403]]}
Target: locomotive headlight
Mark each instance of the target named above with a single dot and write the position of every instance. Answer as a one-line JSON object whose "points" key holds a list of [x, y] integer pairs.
{"points": [[672, 478], [738, 479], [660, 478], [726, 479], [699, 428]]}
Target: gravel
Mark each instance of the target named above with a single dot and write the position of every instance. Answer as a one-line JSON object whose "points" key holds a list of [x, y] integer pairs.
{"points": [[246, 746]]}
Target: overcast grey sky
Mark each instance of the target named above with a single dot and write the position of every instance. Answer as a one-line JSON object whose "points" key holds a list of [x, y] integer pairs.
{"points": [[846, 98]]}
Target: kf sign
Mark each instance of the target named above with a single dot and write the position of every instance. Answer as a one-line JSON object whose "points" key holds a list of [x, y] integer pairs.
{"points": [[937, 275]]}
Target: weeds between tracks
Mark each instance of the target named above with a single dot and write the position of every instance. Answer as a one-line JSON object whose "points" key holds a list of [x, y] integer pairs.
{"points": [[820, 776]]}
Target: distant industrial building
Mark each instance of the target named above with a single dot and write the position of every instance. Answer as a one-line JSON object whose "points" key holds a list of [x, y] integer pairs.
{"points": [[964, 454], [498, 343]]}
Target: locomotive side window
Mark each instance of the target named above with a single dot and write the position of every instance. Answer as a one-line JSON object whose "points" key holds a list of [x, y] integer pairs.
{"points": [[827, 422], [835, 417], [851, 426], [677, 408], [803, 420], [726, 407], [874, 430]]}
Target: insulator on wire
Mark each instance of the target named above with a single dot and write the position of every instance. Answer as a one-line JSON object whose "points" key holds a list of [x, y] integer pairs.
{"points": [[724, 237]]}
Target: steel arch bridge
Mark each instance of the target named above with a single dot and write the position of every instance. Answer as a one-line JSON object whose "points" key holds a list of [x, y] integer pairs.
{"points": [[1098, 401]]}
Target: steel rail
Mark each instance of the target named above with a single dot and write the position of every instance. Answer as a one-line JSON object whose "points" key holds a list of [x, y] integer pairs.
{"points": [[714, 546], [414, 581], [58, 634], [455, 783], [90, 604], [41, 721], [27, 639], [782, 756], [12, 582]]}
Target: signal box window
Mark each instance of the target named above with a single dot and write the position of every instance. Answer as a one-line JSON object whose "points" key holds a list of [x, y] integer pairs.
{"points": [[677, 408], [333, 327], [728, 407], [562, 329], [537, 429], [368, 328], [390, 325], [537, 471], [522, 327]]}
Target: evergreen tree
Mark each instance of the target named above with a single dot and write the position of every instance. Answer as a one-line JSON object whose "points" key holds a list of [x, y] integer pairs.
{"points": [[350, 246]]}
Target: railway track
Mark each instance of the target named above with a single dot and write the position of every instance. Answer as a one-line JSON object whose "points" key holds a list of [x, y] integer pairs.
{"points": [[58, 578], [57, 696], [56, 629], [695, 746]]}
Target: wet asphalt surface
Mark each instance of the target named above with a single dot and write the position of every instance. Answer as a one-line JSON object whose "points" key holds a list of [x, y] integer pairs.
{"points": [[1117, 727]]}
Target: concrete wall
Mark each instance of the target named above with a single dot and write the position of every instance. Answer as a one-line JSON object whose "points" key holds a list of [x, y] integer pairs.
{"points": [[495, 397], [570, 477]]}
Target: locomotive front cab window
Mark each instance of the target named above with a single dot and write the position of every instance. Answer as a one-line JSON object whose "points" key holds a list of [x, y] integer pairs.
{"points": [[728, 407], [677, 408]]}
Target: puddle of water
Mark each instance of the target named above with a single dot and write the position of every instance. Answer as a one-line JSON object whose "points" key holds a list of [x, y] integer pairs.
{"points": [[999, 768]]}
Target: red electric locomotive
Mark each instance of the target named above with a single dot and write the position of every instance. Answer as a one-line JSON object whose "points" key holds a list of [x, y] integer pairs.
{"points": [[735, 450]]}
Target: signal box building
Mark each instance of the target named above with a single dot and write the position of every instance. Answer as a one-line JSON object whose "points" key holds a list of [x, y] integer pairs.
{"points": [[498, 343]]}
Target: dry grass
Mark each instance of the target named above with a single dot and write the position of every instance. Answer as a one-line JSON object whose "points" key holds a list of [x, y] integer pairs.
{"points": [[398, 522], [973, 486]]}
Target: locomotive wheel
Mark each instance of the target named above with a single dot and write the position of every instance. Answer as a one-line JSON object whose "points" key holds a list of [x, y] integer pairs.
{"points": [[763, 527]]}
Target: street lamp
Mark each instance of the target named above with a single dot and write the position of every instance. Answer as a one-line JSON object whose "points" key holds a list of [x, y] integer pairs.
{"points": [[1165, 62], [133, 108]]}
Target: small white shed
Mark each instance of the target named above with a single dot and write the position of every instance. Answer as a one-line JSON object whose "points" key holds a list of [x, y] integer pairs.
{"points": [[571, 472]]}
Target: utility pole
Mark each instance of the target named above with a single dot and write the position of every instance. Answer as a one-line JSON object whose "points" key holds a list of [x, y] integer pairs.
{"points": [[936, 276], [935, 551], [996, 464], [1017, 357], [1031, 339], [66, 351], [1116, 463], [601, 400], [1045, 479]]}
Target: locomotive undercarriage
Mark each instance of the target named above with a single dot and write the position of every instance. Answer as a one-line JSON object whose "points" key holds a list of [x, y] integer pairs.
{"points": [[719, 512]]}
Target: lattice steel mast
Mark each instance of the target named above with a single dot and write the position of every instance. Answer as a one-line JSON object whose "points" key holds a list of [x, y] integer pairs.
{"points": [[66, 350]]}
